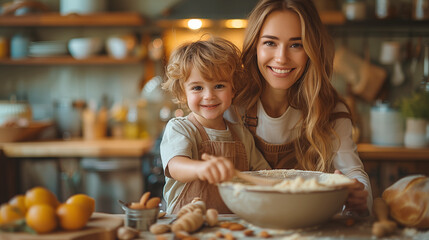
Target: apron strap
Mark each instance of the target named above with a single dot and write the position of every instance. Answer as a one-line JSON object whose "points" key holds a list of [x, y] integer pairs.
{"points": [[250, 119], [200, 128], [337, 115]]}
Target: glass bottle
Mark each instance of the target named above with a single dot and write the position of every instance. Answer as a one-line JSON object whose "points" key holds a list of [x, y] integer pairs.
{"points": [[354, 9], [420, 10], [384, 9]]}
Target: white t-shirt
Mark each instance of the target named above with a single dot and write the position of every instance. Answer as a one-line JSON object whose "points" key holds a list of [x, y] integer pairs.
{"points": [[181, 138], [281, 130]]}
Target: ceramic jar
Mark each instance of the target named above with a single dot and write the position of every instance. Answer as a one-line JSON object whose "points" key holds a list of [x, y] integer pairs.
{"points": [[386, 126], [415, 133], [19, 46]]}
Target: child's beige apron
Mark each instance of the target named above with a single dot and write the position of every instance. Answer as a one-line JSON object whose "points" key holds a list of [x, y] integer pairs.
{"points": [[233, 150], [279, 156]]}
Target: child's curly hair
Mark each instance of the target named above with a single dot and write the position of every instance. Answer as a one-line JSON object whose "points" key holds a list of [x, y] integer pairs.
{"points": [[216, 59]]}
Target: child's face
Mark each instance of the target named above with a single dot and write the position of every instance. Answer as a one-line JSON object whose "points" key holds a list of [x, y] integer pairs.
{"points": [[208, 100]]}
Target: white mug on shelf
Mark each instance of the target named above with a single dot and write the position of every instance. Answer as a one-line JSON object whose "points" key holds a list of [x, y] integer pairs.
{"points": [[390, 52]]}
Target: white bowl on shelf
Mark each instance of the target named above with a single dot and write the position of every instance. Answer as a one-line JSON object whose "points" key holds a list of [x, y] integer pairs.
{"points": [[120, 47], [81, 48], [82, 6]]}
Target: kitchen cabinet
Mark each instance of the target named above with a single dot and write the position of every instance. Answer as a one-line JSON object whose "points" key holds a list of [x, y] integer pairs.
{"points": [[96, 164], [47, 20], [8, 177]]}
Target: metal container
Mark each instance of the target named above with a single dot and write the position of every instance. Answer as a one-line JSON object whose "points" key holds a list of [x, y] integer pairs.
{"points": [[140, 219]]}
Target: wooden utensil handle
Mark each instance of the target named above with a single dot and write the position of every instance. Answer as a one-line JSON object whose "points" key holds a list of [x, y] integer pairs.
{"points": [[381, 210]]}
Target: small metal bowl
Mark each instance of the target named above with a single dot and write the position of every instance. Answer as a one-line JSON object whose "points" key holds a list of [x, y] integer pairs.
{"points": [[140, 219]]}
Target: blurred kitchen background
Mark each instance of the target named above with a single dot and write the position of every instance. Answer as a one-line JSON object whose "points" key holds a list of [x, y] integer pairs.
{"points": [[88, 70]]}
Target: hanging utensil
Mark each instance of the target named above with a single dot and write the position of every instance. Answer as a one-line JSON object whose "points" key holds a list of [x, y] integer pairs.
{"points": [[416, 56], [398, 76]]}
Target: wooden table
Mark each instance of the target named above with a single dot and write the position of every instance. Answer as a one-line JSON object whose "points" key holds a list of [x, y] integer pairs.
{"points": [[337, 228]]}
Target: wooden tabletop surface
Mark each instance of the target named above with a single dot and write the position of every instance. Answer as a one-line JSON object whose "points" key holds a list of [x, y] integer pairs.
{"points": [[136, 148], [79, 148], [339, 227], [372, 152]]}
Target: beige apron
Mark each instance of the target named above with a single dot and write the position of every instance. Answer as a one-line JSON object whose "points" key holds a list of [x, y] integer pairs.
{"points": [[279, 156], [233, 150]]}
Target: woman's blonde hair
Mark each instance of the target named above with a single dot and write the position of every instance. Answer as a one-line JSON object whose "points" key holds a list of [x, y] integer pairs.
{"points": [[313, 93], [215, 58]]}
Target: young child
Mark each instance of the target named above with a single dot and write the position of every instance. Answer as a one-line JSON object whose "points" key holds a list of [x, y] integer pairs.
{"points": [[204, 75]]}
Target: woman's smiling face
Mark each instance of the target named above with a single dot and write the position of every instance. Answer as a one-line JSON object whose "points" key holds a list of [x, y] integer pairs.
{"points": [[280, 53]]}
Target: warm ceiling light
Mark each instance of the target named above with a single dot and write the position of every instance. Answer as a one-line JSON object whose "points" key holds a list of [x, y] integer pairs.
{"points": [[195, 24], [236, 23]]}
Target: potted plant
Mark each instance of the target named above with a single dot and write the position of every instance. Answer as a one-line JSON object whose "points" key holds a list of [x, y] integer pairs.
{"points": [[415, 110]]}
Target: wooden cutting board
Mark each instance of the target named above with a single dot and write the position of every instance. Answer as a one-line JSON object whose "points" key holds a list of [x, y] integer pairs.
{"points": [[101, 226]]}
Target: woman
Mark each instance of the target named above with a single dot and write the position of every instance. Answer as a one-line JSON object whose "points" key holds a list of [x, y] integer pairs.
{"points": [[297, 118]]}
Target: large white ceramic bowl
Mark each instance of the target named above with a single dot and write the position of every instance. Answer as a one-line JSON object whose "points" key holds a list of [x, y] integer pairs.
{"points": [[81, 48], [288, 208]]}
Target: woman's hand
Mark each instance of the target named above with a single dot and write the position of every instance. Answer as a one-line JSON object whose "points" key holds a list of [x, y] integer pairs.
{"points": [[215, 169], [357, 198]]}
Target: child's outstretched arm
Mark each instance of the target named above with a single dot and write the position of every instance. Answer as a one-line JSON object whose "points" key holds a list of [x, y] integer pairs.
{"points": [[212, 169]]}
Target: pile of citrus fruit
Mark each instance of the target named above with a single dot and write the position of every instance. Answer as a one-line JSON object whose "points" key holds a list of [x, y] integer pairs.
{"points": [[44, 213]]}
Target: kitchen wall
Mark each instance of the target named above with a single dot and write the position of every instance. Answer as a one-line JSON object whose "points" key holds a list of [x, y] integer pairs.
{"points": [[43, 85]]}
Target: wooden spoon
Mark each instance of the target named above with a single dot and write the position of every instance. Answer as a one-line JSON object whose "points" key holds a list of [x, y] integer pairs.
{"points": [[257, 180]]}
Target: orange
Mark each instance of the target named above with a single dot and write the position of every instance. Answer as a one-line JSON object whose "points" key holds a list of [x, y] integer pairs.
{"points": [[85, 201], [19, 202], [9, 213], [72, 216], [40, 195], [41, 218]]}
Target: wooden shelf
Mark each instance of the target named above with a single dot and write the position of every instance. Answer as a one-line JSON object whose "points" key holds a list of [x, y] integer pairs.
{"points": [[380, 153], [79, 148], [110, 19], [68, 60], [332, 17], [380, 27]]}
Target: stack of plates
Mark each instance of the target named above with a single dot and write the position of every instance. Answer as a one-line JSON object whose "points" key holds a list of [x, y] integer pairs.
{"points": [[47, 49]]}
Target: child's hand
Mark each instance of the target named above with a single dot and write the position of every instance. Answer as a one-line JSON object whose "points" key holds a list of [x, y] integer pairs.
{"points": [[357, 198], [215, 169]]}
